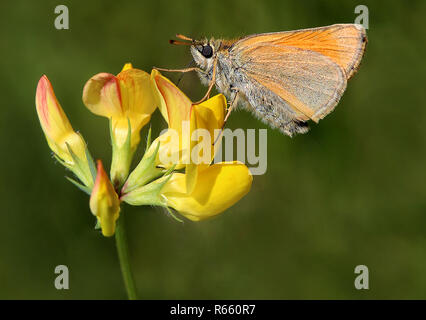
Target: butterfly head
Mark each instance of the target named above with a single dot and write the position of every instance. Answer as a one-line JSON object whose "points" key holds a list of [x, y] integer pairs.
{"points": [[203, 51]]}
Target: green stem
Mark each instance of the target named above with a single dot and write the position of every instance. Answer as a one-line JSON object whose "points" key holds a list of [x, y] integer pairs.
{"points": [[123, 257]]}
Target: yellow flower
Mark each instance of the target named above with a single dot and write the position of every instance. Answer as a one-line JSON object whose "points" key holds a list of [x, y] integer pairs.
{"points": [[127, 96], [171, 149], [174, 146], [104, 202], [67, 144], [216, 188], [126, 99], [204, 190]]}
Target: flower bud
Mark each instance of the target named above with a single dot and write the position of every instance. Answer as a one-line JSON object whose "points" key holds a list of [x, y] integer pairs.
{"points": [[104, 202], [68, 145]]}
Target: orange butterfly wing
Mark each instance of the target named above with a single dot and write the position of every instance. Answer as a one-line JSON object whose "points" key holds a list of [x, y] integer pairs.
{"points": [[306, 68], [342, 43]]}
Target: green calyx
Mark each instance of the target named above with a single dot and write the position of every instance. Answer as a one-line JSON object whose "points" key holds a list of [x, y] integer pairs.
{"points": [[84, 169], [121, 157], [149, 194]]}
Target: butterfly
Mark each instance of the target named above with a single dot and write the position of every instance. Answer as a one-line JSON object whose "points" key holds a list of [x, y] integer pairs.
{"points": [[285, 78]]}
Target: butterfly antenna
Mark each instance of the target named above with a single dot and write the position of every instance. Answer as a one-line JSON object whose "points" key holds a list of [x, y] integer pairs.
{"points": [[180, 43], [181, 36]]}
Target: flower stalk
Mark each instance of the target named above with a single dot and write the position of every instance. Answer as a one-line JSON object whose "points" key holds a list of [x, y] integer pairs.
{"points": [[123, 257]]}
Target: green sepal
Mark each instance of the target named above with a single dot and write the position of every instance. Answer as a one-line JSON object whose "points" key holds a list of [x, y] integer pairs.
{"points": [[80, 168], [110, 133], [148, 140], [173, 215], [91, 162], [144, 172], [79, 185], [169, 171], [62, 162], [121, 157], [149, 194], [129, 135], [127, 143]]}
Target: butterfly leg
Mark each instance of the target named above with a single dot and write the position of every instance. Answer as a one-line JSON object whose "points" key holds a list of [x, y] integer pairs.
{"points": [[211, 84], [180, 70], [233, 103]]}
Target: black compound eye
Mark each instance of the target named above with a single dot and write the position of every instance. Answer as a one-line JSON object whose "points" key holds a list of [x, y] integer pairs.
{"points": [[207, 51]]}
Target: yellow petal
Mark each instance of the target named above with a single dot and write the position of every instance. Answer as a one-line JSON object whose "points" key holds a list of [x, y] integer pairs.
{"points": [[120, 129], [170, 152], [56, 125], [137, 102], [104, 202], [136, 94], [174, 105], [51, 115], [208, 115], [127, 66], [192, 167], [127, 96], [102, 96], [217, 188], [159, 100], [176, 108], [212, 111]]}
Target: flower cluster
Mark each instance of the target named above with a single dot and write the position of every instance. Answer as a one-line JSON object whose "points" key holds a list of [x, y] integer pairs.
{"points": [[176, 171]]}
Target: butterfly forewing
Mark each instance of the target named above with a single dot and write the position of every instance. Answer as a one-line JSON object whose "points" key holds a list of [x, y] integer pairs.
{"points": [[342, 43], [306, 68], [311, 83]]}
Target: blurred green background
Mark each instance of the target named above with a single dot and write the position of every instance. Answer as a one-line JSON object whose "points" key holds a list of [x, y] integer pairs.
{"points": [[351, 192]]}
